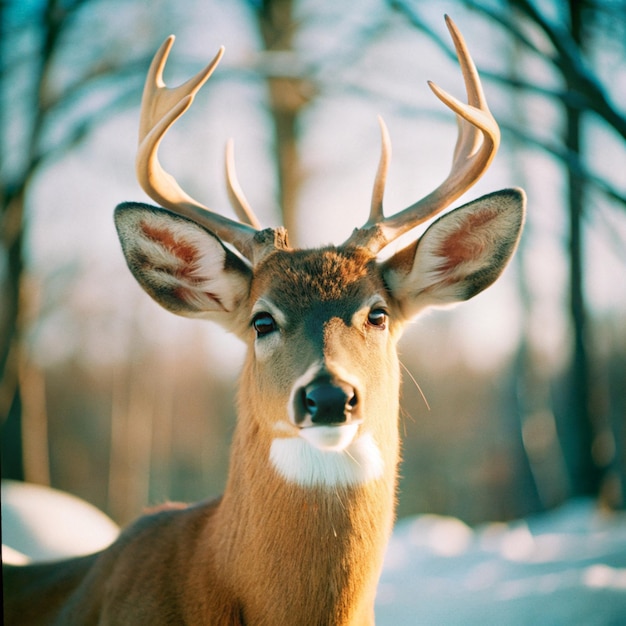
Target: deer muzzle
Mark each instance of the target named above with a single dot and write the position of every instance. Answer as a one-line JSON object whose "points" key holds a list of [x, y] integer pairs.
{"points": [[327, 411]]}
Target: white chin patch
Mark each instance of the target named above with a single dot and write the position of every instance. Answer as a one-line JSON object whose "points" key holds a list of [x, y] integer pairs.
{"points": [[329, 458], [329, 437]]}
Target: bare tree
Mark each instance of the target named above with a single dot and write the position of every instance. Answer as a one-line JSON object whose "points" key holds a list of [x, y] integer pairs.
{"points": [[287, 94], [33, 100], [582, 94]]}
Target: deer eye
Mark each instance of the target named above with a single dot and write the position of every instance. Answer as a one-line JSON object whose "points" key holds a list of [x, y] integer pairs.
{"points": [[264, 324], [377, 318]]}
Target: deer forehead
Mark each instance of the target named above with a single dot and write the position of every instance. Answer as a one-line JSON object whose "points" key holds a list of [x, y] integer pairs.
{"points": [[328, 282]]}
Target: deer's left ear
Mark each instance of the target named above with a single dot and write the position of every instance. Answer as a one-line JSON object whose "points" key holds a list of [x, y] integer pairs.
{"points": [[459, 255]]}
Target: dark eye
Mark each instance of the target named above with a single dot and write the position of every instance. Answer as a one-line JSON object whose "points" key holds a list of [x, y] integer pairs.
{"points": [[264, 324], [377, 318]]}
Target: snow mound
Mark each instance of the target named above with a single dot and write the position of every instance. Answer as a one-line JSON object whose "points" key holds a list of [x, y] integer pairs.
{"points": [[43, 524], [566, 567]]}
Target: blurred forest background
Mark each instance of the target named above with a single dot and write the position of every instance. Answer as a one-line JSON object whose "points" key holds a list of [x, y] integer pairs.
{"points": [[107, 396]]}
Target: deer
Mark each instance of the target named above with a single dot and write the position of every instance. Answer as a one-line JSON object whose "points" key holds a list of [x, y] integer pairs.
{"points": [[299, 534]]}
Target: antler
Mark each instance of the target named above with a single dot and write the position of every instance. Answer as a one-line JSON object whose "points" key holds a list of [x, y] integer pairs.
{"points": [[236, 196], [477, 143], [161, 106]]}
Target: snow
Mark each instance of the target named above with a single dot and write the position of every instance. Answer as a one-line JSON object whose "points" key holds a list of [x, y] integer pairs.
{"points": [[565, 567], [44, 524]]}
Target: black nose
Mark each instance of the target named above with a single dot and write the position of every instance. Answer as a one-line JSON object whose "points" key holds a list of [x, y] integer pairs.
{"points": [[325, 402]]}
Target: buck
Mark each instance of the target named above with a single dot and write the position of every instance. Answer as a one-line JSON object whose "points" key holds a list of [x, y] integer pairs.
{"points": [[299, 535]]}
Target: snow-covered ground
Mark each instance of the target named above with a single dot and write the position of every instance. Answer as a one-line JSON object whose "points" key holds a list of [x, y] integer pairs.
{"points": [[566, 567], [562, 568]]}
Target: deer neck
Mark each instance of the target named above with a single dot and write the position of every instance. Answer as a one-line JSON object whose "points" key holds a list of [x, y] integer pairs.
{"points": [[293, 549]]}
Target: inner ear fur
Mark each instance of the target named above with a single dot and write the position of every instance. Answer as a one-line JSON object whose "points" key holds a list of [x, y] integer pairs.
{"points": [[181, 265], [459, 255]]}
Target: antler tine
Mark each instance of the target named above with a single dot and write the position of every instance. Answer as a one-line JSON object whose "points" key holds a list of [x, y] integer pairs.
{"points": [[376, 210], [237, 198], [161, 106], [477, 143]]}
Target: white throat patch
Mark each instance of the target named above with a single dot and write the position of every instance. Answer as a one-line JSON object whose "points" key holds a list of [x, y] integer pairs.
{"points": [[299, 462]]}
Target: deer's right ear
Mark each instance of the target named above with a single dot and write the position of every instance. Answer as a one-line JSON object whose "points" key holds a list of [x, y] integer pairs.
{"points": [[184, 267]]}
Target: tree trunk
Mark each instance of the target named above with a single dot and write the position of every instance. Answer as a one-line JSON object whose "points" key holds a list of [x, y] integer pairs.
{"points": [[584, 472], [287, 98], [13, 400], [10, 400]]}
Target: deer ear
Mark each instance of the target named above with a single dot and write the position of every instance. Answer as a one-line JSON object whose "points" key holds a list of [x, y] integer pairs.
{"points": [[459, 255], [184, 267]]}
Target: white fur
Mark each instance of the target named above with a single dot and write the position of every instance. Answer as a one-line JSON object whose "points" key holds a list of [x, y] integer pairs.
{"points": [[299, 462], [208, 269], [427, 284], [330, 437], [427, 272]]}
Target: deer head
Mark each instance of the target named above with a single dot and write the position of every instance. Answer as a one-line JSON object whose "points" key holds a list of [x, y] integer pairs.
{"points": [[320, 381]]}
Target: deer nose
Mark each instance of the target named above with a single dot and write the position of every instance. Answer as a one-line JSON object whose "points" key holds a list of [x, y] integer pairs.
{"points": [[324, 403]]}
